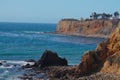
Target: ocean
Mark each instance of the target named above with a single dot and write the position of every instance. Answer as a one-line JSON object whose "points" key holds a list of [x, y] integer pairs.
{"points": [[23, 41]]}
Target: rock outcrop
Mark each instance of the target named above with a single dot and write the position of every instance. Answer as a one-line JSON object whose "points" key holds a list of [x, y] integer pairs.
{"points": [[105, 58], [50, 58], [91, 28], [112, 63]]}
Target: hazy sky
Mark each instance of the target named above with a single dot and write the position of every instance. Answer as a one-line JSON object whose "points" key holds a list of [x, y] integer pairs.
{"points": [[51, 11]]}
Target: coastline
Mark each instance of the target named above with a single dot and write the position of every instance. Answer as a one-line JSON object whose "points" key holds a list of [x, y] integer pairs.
{"points": [[54, 73], [68, 72], [101, 63], [83, 35], [88, 28]]}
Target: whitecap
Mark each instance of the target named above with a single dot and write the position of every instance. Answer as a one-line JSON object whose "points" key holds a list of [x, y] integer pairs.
{"points": [[33, 32], [22, 63], [12, 63], [3, 66], [8, 34]]}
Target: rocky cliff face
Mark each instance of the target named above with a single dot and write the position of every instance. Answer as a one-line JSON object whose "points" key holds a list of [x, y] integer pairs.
{"points": [[94, 28], [105, 58], [112, 63]]}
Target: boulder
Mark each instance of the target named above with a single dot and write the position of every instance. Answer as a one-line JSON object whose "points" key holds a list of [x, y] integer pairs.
{"points": [[50, 58]]}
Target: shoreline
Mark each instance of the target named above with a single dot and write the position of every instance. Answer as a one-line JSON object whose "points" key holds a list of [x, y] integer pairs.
{"points": [[54, 73], [82, 35], [59, 73]]}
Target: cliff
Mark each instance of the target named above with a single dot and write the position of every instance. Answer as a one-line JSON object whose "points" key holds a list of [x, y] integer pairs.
{"points": [[112, 63], [105, 58], [90, 28]]}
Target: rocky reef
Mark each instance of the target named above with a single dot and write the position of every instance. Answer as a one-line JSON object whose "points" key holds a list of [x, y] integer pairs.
{"points": [[88, 28]]}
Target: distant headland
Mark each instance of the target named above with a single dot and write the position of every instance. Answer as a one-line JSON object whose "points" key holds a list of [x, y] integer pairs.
{"points": [[97, 25]]}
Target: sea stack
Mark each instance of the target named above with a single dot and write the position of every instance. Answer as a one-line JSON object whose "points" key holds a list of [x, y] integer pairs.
{"points": [[50, 58]]}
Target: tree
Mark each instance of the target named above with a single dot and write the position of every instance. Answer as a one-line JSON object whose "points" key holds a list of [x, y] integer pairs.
{"points": [[116, 14], [95, 15], [103, 16], [108, 16]]}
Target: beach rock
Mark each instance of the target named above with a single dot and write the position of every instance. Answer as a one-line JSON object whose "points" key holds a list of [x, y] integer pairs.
{"points": [[50, 58], [90, 28]]}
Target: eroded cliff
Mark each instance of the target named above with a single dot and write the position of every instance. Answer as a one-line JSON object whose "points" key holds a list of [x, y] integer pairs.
{"points": [[105, 58], [112, 63], [91, 28]]}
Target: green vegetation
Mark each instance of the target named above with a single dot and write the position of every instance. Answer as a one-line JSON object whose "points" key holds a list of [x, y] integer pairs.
{"points": [[97, 16]]}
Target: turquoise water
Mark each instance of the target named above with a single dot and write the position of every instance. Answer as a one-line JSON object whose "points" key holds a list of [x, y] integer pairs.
{"points": [[22, 41]]}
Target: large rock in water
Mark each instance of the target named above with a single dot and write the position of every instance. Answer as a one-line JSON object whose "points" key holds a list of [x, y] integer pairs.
{"points": [[105, 58], [50, 58]]}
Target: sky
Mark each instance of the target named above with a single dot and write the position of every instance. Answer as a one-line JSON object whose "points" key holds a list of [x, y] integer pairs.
{"points": [[51, 11]]}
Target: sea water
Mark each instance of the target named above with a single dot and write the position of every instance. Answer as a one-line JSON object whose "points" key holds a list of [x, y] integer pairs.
{"points": [[23, 41]]}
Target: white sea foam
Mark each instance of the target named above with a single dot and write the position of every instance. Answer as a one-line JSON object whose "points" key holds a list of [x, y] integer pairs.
{"points": [[3, 67], [8, 34], [4, 74], [11, 63], [10, 69], [33, 32], [22, 63]]}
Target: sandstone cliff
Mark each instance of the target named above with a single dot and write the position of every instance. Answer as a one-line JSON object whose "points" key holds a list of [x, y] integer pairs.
{"points": [[105, 58], [92, 28], [112, 63]]}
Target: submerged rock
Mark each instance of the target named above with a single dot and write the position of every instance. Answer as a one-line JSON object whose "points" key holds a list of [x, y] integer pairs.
{"points": [[50, 58]]}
